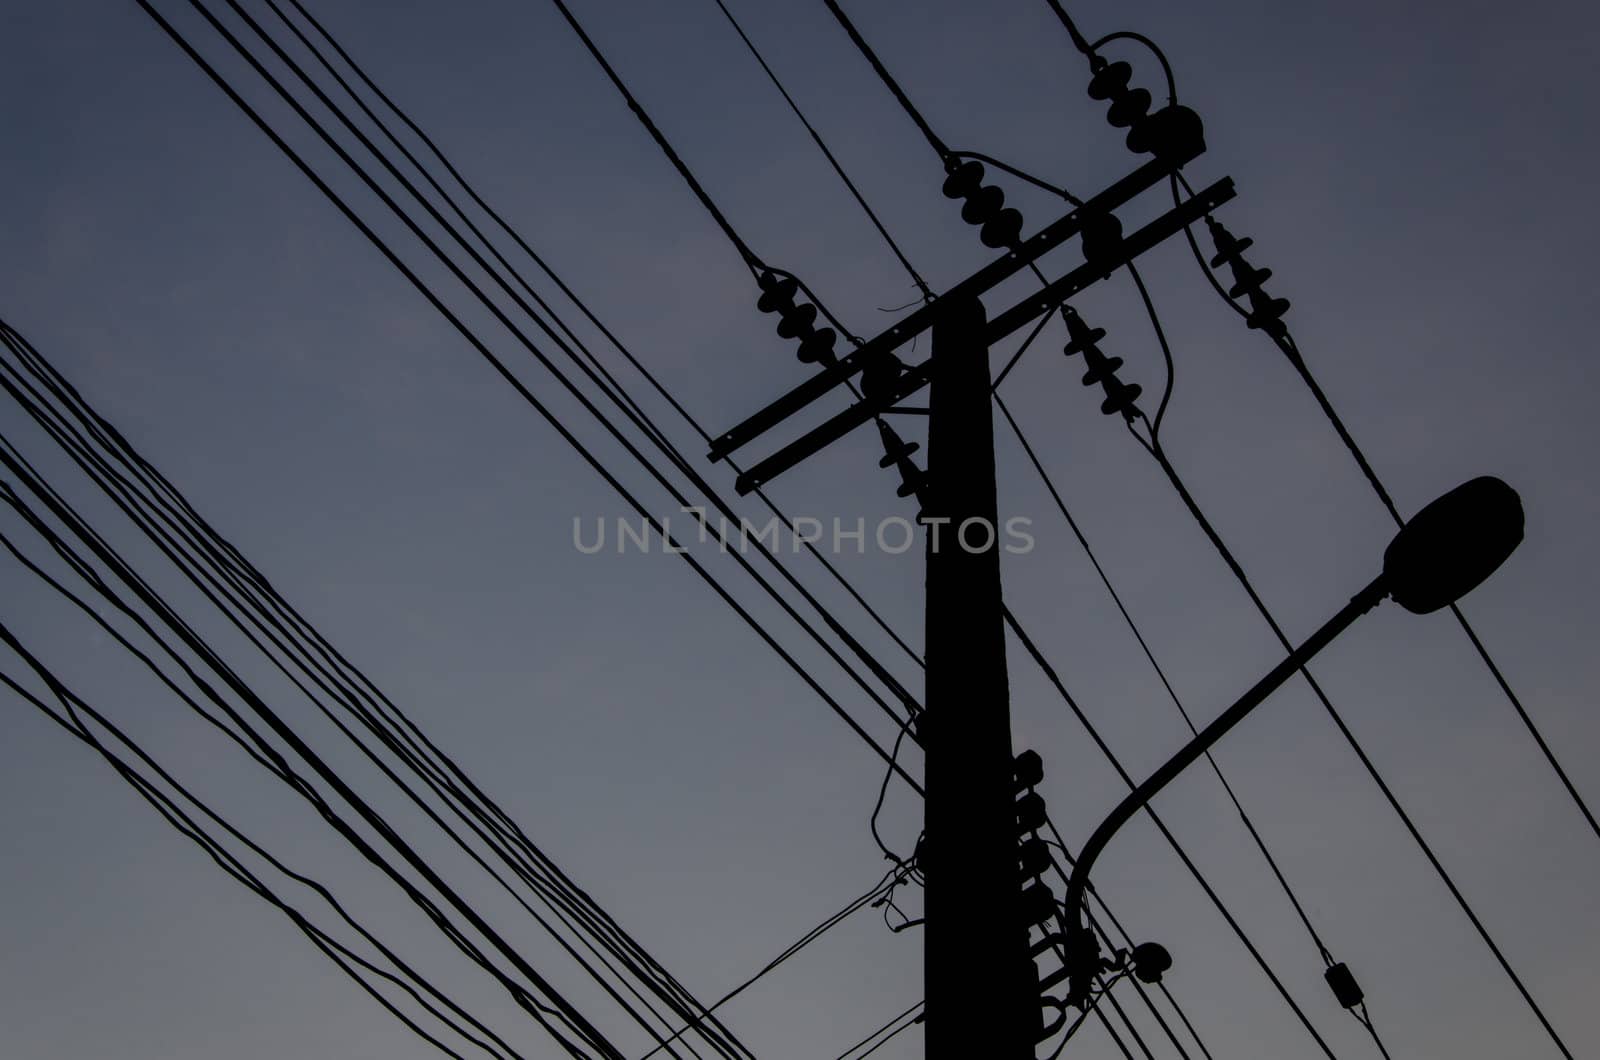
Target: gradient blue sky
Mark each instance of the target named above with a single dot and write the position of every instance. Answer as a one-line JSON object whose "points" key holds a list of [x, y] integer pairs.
{"points": [[1417, 177]]}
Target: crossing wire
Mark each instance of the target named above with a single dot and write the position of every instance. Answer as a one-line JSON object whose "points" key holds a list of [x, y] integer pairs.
{"points": [[498, 365], [616, 389], [943, 151], [244, 586], [542, 1013], [740, 245], [1292, 354], [120, 490], [584, 364], [165, 805]]}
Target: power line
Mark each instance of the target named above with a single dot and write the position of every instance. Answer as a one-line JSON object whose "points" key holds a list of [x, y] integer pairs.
{"points": [[559, 891], [527, 395], [927, 292], [1172, 841], [540, 1011], [612, 386], [944, 152], [120, 492], [1291, 352], [1159, 454], [911, 1017], [646, 428], [938, 145], [885, 883], [342, 956]]}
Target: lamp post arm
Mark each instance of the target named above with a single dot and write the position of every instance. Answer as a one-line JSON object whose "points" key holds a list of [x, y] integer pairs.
{"points": [[1359, 605]]}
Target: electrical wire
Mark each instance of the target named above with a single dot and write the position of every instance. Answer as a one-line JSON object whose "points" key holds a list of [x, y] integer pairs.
{"points": [[1128, 942], [544, 266], [927, 292], [944, 152], [885, 882], [912, 1016], [564, 894], [1286, 345], [119, 491], [1172, 841], [341, 955], [555, 337], [558, 1007], [527, 395], [1072, 524], [1239, 575]]}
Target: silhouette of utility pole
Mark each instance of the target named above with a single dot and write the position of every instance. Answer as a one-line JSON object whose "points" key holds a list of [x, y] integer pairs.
{"points": [[979, 981], [981, 988]]}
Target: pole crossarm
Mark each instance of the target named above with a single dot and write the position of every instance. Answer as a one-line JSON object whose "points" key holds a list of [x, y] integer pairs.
{"points": [[913, 379], [992, 274]]}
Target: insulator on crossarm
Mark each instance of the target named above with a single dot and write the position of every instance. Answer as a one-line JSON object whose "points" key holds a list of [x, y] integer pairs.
{"points": [[1120, 399], [913, 480], [983, 204], [1002, 230], [798, 321], [964, 180], [1080, 336], [818, 347], [1128, 107], [879, 376], [1101, 238], [1101, 369], [1109, 80], [1266, 312], [1247, 278], [777, 293], [897, 454], [1229, 249], [895, 448], [1173, 132]]}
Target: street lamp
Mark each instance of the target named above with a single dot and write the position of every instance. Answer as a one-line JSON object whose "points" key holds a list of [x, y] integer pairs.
{"points": [[1443, 553]]}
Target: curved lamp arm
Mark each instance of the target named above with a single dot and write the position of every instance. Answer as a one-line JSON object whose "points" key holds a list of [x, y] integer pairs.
{"points": [[1085, 965]]}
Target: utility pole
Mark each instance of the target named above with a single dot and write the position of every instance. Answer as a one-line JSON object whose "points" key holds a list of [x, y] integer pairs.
{"points": [[978, 977], [982, 989]]}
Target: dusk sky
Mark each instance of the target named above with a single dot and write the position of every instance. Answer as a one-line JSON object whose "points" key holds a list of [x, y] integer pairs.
{"points": [[1417, 177]]}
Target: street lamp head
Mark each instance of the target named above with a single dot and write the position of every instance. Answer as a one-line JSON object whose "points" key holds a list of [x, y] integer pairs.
{"points": [[1448, 549]]}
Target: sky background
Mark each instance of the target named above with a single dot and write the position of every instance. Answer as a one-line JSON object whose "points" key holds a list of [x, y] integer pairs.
{"points": [[1417, 177]]}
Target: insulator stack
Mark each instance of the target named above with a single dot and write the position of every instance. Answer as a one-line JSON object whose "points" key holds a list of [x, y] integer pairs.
{"points": [[1171, 132], [984, 205], [1266, 312], [1120, 397], [897, 454], [796, 320]]}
